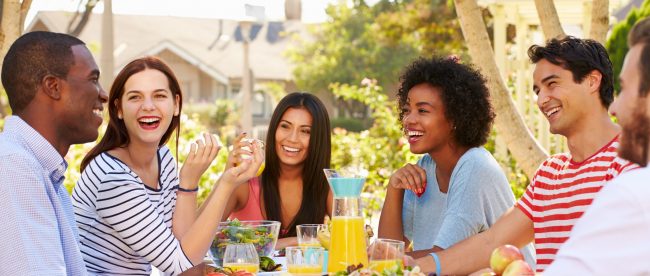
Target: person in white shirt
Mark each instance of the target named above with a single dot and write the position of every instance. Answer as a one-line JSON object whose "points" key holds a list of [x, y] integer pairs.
{"points": [[613, 236]]}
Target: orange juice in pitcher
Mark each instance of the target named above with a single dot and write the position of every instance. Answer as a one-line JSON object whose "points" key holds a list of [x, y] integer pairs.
{"points": [[348, 237]]}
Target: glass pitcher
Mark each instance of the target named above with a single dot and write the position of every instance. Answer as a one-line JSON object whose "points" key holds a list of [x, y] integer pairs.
{"points": [[348, 236]]}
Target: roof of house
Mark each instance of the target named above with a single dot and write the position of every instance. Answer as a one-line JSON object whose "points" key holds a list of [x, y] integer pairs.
{"points": [[197, 40]]}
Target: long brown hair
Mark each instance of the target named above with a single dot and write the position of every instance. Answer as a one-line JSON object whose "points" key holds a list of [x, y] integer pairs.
{"points": [[315, 188], [116, 134]]}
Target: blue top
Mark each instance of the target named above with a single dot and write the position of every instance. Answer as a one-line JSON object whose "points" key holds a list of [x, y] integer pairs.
{"points": [[37, 230], [478, 194]]}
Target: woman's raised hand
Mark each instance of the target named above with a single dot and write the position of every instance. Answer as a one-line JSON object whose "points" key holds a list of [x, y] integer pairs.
{"points": [[410, 177], [239, 170], [202, 153]]}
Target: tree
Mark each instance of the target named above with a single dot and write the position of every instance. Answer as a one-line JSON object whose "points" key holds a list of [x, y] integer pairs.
{"points": [[80, 18], [12, 20], [599, 20], [549, 19], [509, 124], [361, 41]]}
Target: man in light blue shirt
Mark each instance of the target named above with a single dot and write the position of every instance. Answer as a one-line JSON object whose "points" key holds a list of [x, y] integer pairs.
{"points": [[52, 85]]}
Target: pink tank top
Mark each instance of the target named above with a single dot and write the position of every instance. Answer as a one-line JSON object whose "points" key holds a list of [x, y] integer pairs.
{"points": [[252, 210]]}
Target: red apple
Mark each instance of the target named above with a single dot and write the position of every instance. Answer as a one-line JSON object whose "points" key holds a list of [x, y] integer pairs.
{"points": [[518, 268], [502, 256]]}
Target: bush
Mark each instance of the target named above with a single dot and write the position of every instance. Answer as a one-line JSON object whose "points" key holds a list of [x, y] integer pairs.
{"points": [[380, 150], [617, 43], [349, 124]]}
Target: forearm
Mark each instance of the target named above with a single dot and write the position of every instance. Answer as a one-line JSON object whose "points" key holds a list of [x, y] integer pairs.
{"points": [[472, 254], [463, 258], [185, 213], [202, 231], [390, 221]]}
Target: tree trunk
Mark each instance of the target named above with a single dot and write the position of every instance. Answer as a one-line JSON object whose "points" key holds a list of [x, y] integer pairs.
{"points": [[549, 19], [108, 46], [76, 30], [11, 26], [599, 20], [509, 124]]}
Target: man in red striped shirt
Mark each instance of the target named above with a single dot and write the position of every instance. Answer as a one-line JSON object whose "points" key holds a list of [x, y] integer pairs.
{"points": [[615, 229], [573, 83]]}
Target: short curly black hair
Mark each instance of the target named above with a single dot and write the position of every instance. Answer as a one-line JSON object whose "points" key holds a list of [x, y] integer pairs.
{"points": [[580, 56], [464, 94]]}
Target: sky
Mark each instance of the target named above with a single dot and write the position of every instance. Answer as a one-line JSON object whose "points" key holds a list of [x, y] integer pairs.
{"points": [[312, 10]]}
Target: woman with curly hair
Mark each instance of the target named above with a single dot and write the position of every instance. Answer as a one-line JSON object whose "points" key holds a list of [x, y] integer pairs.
{"points": [[457, 189]]}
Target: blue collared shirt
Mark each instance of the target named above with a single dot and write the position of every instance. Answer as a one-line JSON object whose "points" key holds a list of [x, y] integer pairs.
{"points": [[38, 234]]}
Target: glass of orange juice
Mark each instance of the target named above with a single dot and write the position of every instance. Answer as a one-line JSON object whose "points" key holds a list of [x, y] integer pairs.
{"points": [[307, 234], [241, 256], [386, 254], [305, 260]]}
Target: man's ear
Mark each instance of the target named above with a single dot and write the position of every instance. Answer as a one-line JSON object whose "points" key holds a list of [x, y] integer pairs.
{"points": [[52, 86], [595, 79]]}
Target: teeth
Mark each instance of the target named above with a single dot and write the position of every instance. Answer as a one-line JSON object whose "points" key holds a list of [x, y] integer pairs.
{"points": [[415, 133], [551, 111], [148, 120], [289, 149], [97, 112]]}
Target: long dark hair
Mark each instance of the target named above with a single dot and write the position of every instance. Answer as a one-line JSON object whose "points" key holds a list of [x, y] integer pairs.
{"points": [[315, 188], [116, 134]]}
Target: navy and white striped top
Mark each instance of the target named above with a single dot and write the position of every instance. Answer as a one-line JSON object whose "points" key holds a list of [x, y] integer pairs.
{"points": [[124, 225]]}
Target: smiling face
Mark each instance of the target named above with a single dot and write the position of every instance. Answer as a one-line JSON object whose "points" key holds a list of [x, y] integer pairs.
{"points": [[424, 121], [563, 102], [631, 110], [292, 136], [83, 99], [147, 106]]}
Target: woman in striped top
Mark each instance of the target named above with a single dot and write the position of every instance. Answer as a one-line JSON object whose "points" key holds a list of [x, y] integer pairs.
{"points": [[132, 208]]}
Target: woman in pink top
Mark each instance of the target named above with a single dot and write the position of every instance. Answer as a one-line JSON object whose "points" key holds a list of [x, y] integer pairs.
{"points": [[293, 188]]}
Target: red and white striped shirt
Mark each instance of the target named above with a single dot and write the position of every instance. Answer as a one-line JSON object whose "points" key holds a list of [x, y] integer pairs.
{"points": [[561, 191]]}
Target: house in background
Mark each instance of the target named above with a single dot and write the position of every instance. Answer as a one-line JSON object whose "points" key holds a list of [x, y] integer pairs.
{"points": [[205, 54]]}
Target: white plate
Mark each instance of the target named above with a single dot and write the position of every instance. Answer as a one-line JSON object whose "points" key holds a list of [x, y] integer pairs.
{"points": [[270, 273]]}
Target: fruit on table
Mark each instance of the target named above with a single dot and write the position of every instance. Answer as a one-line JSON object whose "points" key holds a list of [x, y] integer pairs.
{"points": [[502, 256], [518, 268]]}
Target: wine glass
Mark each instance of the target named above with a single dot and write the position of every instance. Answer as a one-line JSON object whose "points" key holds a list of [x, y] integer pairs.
{"points": [[241, 256], [386, 254]]}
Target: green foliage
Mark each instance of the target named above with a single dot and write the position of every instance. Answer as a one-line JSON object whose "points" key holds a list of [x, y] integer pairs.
{"points": [[617, 43], [359, 41], [379, 150], [349, 124]]}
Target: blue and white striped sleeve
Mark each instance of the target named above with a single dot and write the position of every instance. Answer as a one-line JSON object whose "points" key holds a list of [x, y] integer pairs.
{"points": [[123, 203]]}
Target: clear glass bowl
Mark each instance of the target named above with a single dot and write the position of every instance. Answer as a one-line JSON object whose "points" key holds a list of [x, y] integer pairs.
{"points": [[263, 234]]}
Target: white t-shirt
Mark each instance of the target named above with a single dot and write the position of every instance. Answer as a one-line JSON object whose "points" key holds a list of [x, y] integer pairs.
{"points": [[613, 235]]}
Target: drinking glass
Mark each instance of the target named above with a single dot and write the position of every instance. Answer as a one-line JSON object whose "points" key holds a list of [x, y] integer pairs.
{"points": [[386, 254], [307, 234], [305, 260], [241, 256]]}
